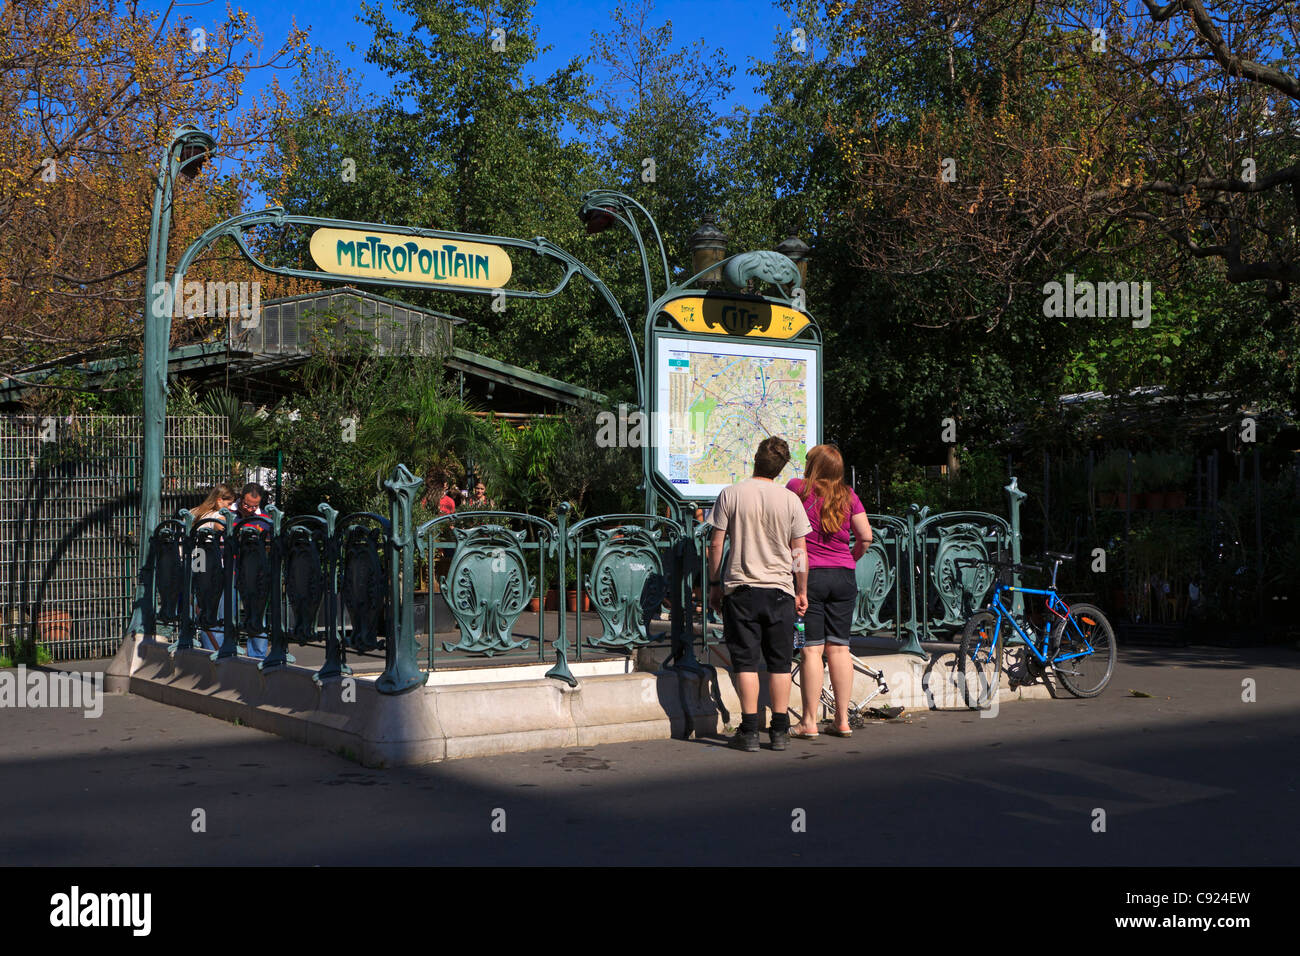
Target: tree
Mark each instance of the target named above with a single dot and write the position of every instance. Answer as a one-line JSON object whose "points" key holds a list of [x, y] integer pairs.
{"points": [[1085, 131], [90, 92]]}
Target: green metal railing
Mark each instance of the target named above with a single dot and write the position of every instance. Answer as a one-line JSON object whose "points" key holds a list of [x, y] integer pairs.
{"points": [[363, 568]]}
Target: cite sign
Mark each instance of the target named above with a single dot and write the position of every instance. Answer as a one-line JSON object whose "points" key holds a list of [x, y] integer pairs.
{"points": [[727, 316]]}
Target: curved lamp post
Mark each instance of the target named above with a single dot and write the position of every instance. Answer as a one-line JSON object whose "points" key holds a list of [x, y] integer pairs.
{"points": [[185, 155]]}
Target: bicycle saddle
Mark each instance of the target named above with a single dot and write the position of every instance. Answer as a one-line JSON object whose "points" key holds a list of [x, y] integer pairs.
{"points": [[1059, 556]]}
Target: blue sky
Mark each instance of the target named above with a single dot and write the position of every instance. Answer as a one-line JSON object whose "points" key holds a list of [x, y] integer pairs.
{"points": [[745, 28]]}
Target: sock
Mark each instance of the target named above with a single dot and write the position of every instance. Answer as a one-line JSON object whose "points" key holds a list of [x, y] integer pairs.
{"points": [[749, 723], [780, 723]]}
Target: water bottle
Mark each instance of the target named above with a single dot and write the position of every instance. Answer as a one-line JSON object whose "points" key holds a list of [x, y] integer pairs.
{"points": [[798, 632]]}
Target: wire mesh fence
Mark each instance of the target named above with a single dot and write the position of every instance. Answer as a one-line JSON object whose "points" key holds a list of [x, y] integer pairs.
{"points": [[69, 521]]}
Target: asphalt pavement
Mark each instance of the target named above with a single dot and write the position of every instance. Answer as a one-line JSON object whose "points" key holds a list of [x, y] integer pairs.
{"points": [[1192, 774]]}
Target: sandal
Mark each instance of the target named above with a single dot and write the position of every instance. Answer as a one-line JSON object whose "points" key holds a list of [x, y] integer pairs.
{"points": [[832, 732], [799, 736]]}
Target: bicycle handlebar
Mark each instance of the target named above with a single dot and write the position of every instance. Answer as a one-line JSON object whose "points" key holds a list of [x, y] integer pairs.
{"points": [[1010, 565]]}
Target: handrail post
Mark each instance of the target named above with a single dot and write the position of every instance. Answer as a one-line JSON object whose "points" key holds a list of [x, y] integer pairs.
{"points": [[1014, 497], [560, 671], [911, 643], [401, 672], [333, 666], [279, 654]]}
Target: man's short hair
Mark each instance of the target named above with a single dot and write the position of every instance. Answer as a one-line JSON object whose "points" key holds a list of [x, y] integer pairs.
{"points": [[772, 456], [253, 488]]}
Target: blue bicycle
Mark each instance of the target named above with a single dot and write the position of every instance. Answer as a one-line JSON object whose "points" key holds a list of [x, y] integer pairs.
{"points": [[1076, 644]]}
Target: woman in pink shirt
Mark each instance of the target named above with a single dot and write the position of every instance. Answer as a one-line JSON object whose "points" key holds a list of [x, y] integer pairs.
{"points": [[833, 511]]}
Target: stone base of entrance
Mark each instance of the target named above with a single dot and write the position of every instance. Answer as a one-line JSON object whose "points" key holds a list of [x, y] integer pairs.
{"points": [[427, 724], [496, 714]]}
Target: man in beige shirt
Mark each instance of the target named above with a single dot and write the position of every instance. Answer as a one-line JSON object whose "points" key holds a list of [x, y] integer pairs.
{"points": [[765, 584]]}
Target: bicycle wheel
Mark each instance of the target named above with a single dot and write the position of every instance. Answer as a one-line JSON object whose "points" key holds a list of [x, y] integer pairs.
{"points": [[979, 660], [1086, 676]]}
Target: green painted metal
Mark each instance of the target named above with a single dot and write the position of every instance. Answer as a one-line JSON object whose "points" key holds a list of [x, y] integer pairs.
{"points": [[876, 574], [773, 268], [157, 336], [560, 549], [627, 580], [402, 670], [487, 588]]}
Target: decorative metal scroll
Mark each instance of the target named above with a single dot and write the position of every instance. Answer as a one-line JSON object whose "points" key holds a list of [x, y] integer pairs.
{"points": [[363, 581], [487, 587], [765, 265], [254, 550], [958, 589], [208, 577], [626, 584], [169, 570], [304, 576]]}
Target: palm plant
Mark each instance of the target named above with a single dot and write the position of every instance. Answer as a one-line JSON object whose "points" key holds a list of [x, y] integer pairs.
{"points": [[427, 429]]}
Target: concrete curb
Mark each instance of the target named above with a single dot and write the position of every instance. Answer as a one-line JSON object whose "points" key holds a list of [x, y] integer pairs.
{"points": [[452, 721]]}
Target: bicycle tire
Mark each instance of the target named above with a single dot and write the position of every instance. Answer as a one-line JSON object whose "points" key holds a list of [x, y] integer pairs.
{"points": [[1101, 636], [979, 663]]}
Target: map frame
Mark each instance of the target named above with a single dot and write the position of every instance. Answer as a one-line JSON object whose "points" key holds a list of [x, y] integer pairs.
{"points": [[665, 341]]}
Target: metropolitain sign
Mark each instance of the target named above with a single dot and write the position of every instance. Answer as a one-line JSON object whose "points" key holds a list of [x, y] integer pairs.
{"points": [[382, 255]]}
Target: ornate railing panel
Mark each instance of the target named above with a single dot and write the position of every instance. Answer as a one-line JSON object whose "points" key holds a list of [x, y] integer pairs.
{"points": [[877, 576], [363, 577], [279, 579], [488, 584], [626, 582], [487, 587], [951, 592]]}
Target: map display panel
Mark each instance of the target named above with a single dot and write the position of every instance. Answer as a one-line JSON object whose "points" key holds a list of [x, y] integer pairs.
{"points": [[718, 399]]}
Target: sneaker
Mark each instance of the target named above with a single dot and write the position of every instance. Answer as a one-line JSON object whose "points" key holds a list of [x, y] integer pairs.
{"points": [[780, 738], [747, 742]]}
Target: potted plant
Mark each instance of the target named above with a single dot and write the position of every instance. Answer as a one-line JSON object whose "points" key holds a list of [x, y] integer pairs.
{"points": [[1108, 478], [1180, 472], [571, 590], [1122, 497], [1154, 470]]}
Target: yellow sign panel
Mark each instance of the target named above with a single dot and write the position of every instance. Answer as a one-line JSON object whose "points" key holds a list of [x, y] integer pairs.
{"points": [[745, 317], [385, 255]]}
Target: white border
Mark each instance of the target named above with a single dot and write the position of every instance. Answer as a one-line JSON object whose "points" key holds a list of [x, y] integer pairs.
{"points": [[750, 347]]}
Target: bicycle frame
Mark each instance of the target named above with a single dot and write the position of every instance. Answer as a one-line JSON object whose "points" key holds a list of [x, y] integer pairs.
{"points": [[1055, 606]]}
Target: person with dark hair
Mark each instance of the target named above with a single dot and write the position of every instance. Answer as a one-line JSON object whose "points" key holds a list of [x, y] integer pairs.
{"points": [[250, 514], [834, 511], [764, 585]]}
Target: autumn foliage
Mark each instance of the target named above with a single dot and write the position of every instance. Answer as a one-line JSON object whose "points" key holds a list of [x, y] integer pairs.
{"points": [[90, 92]]}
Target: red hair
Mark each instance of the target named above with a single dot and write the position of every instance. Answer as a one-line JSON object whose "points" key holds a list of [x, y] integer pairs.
{"points": [[824, 477]]}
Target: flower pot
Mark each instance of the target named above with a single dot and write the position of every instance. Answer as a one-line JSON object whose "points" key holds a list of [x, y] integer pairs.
{"points": [[535, 605], [1105, 499], [55, 626], [1122, 502], [572, 600], [552, 599], [1156, 500], [1175, 499]]}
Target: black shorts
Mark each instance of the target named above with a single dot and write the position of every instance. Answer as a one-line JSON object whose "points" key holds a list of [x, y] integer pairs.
{"points": [[759, 619], [832, 592]]}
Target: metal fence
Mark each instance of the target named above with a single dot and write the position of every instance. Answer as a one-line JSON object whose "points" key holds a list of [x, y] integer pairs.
{"points": [[69, 521], [349, 581]]}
